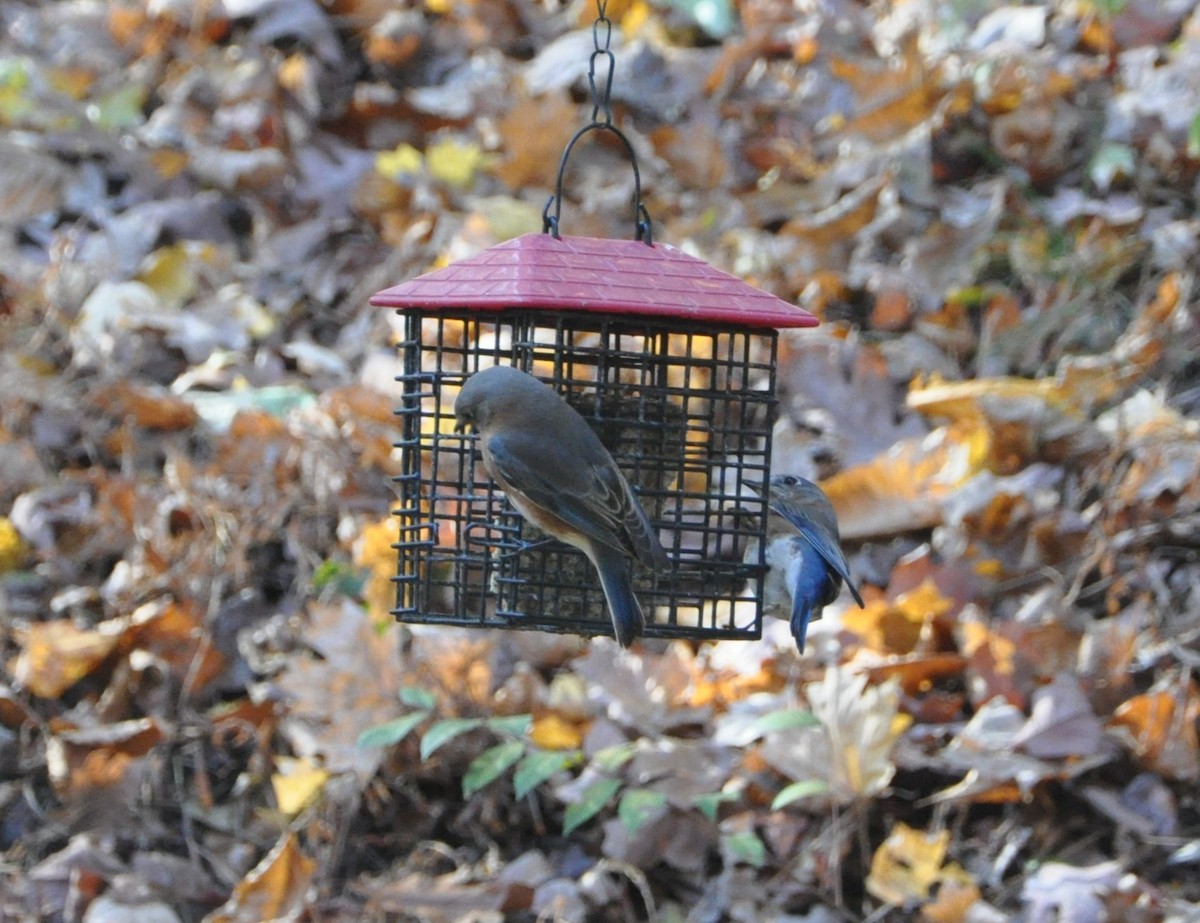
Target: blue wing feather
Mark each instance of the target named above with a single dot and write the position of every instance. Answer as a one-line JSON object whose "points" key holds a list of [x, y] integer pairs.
{"points": [[823, 543]]}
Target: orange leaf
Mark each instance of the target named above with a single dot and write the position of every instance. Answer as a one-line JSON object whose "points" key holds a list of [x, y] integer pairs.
{"points": [[275, 889], [1163, 726]]}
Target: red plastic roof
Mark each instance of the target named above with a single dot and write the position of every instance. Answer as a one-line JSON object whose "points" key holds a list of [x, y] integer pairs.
{"points": [[598, 275]]}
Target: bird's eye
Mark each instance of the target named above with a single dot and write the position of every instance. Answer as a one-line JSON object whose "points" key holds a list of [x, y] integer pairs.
{"points": [[790, 481]]}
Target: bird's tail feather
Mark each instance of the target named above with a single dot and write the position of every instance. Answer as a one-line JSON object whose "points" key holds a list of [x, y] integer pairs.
{"points": [[801, 615], [616, 579]]}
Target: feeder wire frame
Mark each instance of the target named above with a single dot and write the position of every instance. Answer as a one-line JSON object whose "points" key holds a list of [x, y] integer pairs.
{"points": [[685, 410]]}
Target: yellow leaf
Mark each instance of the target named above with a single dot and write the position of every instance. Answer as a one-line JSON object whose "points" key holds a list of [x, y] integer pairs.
{"points": [[296, 784], [554, 733], [907, 865], [295, 73], [454, 162], [923, 602], [959, 400], [170, 273], [373, 550], [12, 546], [168, 163], [636, 17], [405, 160]]}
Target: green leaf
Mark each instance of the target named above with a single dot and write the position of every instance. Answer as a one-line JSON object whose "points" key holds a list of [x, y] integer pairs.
{"points": [[1110, 161], [218, 408], [1193, 137], [119, 110], [540, 765], [638, 805], [516, 725], [709, 803], [594, 797], [416, 697], [745, 847], [445, 731], [15, 99], [339, 577], [798, 790], [785, 720], [391, 732], [490, 764], [610, 759]]}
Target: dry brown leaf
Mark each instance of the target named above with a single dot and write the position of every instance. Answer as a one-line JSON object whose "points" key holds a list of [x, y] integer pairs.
{"points": [[55, 655], [352, 684], [851, 749], [918, 672], [13, 712], [1162, 724], [901, 490], [277, 889], [534, 133], [828, 229], [82, 760], [696, 155], [150, 407], [446, 897], [175, 632], [1061, 722]]}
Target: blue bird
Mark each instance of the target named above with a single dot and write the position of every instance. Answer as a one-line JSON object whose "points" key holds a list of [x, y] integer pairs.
{"points": [[807, 569]]}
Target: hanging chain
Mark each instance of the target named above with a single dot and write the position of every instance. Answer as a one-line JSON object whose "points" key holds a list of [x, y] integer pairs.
{"points": [[602, 30], [602, 43]]}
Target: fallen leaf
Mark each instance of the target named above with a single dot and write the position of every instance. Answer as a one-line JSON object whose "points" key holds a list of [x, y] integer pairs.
{"points": [[296, 783], [906, 865], [1162, 727], [277, 889], [57, 654]]}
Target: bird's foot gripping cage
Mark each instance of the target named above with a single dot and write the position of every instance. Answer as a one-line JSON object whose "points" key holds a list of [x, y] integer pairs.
{"points": [[672, 363]]}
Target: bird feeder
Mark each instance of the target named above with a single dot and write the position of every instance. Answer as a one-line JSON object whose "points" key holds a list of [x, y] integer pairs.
{"points": [[671, 361]]}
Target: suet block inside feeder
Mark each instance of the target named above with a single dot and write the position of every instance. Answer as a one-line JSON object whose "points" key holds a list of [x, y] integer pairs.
{"points": [[669, 359]]}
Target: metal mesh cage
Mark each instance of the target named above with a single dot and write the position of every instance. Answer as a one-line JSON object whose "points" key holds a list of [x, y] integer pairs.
{"points": [[686, 413]]}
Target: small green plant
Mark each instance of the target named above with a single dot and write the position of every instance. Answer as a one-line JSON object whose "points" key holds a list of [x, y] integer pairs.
{"points": [[533, 766]]}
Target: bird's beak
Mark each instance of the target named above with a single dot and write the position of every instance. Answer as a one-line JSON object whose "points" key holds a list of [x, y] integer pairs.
{"points": [[460, 425], [756, 486]]}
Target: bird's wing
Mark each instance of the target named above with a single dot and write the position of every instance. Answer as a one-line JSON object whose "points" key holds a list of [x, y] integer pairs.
{"points": [[643, 538], [824, 544], [586, 497]]}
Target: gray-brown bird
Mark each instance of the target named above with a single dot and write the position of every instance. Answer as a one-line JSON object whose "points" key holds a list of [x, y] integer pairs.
{"points": [[559, 476]]}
